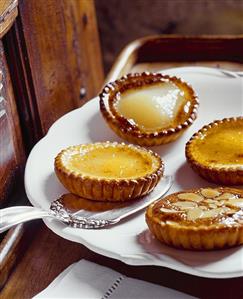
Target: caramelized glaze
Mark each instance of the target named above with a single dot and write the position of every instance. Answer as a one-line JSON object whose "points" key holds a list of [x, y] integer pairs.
{"points": [[109, 162], [153, 107], [222, 146], [216, 151], [217, 210], [108, 171]]}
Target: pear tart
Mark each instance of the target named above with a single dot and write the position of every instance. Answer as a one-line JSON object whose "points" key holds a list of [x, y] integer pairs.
{"points": [[201, 219], [148, 109], [216, 151], [108, 171]]}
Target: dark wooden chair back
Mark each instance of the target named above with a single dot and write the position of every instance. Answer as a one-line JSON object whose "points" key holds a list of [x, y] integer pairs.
{"points": [[50, 63]]}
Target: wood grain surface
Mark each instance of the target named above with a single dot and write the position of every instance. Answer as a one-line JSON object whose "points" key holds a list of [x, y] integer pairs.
{"points": [[11, 148], [63, 55], [8, 13], [49, 55], [12, 158], [54, 55], [160, 52]]}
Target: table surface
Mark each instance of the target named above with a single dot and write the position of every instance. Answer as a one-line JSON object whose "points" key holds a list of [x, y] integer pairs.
{"points": [[47, 255]]}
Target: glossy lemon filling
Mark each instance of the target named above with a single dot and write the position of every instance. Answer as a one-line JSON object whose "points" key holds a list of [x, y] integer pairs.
{"points": [[152, 107], [110, 162], [222, 146]]}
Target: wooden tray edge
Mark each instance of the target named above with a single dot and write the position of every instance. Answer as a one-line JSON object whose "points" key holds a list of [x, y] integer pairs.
{"points": [[127, 56]]}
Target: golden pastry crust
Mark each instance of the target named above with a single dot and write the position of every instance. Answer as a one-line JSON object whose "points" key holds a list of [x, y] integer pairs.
{"points": [[215, 152], [198, 219], [106, 171], [132, 132]]}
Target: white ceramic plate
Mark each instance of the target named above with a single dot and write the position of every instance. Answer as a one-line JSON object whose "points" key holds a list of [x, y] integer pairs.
{"points": [[130, 241]]}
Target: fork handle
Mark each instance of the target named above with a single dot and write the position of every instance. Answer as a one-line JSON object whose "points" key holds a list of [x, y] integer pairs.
{"points": [[19, 214]]}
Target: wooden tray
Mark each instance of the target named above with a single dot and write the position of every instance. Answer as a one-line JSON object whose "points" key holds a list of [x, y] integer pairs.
{"points": [[161, 52]]}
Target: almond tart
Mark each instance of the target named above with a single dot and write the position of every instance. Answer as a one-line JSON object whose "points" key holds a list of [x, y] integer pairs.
{"points": [[108, 171], [148, 108], [216, 151], [200, 219]]}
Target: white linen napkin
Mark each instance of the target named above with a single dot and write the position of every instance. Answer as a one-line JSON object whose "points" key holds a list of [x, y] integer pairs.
{"points": [[86, 280]]}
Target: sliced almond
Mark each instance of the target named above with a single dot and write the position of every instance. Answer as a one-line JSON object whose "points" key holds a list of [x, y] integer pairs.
{"points": [[203, 208], [236, 202], [168, 211], [226, 196], [190, 196], [212, 206], [209, 200], [229, 211], [212, 213], [209, 193], [194, 214], [219, 203], [185, 205]]}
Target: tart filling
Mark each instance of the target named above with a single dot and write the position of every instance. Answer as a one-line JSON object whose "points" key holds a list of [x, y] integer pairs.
{"points": [[108, 171], [159, 106], [205, 218], [216, 151], [148, 109]]}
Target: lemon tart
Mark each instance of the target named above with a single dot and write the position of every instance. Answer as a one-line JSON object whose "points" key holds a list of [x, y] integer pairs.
{"points": [[216, 151], [108, 171], [200, 219], [148, 109]]}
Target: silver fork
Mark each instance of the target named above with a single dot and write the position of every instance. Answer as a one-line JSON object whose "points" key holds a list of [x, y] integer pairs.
{"points": [[15, 215]]}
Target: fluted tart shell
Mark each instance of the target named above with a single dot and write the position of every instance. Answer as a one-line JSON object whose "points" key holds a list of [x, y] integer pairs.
{"points": [[215, 152], [131, 131], [198, 219], [107, 171]]}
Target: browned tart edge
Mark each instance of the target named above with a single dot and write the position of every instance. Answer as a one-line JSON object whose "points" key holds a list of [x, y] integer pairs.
{"points": [[131, 133], [219, 175], [107, 189]]}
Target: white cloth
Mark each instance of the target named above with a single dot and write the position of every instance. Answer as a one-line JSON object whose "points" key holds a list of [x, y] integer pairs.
{"points": [[86, 280]]}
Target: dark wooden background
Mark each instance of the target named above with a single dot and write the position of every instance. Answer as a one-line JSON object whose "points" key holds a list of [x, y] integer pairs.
{"points": [[122, 21], [49, 53]]}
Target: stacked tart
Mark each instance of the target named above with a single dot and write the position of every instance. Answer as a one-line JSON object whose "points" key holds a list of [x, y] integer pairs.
{"points": [[216, 151], [106, 171], [148, 109], [199, 219]]}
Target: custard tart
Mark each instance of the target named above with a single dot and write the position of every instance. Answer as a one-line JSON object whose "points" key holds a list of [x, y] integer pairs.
{"points": [[148, 108], [216, 151], [199, 219], [108, 171]]}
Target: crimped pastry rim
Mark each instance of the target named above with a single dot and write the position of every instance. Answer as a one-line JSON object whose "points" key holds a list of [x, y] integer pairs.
{"points": [[74, 175], [115, 118], [195, 136]]}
